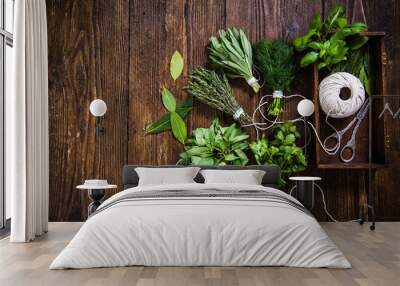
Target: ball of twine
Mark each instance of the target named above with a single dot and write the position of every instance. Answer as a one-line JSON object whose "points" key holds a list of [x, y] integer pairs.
{"points": [[329, 95]]}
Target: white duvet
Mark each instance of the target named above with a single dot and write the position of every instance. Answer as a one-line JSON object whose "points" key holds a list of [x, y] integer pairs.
{"points": [[200, 231]]}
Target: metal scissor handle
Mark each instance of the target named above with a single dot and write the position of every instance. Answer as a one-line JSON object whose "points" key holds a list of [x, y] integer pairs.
{"points": [[334, 138], [351, 144]]}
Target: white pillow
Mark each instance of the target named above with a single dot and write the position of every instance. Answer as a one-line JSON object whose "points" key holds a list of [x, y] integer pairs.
{"points": [[166, 176], [248, 177]]}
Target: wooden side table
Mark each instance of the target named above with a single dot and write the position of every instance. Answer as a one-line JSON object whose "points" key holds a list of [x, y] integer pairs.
{"points": [[96, 194], [305, 190]]}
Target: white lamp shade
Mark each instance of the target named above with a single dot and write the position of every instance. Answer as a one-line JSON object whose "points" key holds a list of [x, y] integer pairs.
{"points": [[305, 107], [98, 107]]}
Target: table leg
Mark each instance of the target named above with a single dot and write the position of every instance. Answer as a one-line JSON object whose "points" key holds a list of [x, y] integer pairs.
{"points": [[362, 196], [305, 193], [96, 196]]}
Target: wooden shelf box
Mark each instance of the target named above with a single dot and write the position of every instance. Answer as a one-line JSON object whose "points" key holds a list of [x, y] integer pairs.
{"points": [[361, 160]]}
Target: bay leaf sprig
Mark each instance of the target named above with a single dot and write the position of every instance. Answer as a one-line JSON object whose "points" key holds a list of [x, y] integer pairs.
{"points": [[174, 118], [178, 126], [232, 54], [214, 90], [176, 65], [164, 123]]}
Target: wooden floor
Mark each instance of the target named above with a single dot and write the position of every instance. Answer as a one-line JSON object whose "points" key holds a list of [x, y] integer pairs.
{"points": [[375, 257]]}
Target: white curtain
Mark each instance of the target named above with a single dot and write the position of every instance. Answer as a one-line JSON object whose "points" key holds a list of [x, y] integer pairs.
{"points": [[27, 124]]}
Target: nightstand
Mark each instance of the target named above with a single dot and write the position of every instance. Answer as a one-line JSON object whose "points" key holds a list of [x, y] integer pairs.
{"points": [[305, 190], [96, 193]]}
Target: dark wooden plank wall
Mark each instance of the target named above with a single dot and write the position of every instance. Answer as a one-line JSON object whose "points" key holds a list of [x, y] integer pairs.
{"points": [[120, 50]]}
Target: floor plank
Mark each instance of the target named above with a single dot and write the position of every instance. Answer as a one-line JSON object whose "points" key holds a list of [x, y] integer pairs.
{"points": [[375, 257]]}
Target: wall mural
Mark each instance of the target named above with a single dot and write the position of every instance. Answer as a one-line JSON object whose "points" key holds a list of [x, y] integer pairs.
{"points": [[327, 44], [211, 84]]}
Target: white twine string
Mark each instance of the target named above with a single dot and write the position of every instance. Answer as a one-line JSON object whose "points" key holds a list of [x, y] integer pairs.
{"points": [[263, 126], [237, 113], [323, 200], [328, 151], [329, 91], [268, 124], [277, 94], [324, 203]]}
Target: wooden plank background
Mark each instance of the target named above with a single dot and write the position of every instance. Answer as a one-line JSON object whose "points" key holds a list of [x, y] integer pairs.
{"points": [[119, 51]]}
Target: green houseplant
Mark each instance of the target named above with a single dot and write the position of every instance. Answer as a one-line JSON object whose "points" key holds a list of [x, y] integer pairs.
{"points": [[276, 61], [281, 151], [216, 145], [232, 54]]}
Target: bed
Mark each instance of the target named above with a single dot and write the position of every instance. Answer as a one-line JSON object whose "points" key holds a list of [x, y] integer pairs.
{"points": [[197, 224]]}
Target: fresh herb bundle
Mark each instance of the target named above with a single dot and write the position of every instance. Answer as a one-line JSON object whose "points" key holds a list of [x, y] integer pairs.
{"points": [[216, 145], [231, 53], [328, 42], [214, 90], [275, 59], [174, 118], [281, 151]]}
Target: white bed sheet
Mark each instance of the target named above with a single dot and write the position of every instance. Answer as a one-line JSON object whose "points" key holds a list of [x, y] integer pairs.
{"points": [[200, 231]]}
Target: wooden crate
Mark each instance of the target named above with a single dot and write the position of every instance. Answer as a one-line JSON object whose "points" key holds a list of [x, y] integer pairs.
{"points": [[361, 160]]}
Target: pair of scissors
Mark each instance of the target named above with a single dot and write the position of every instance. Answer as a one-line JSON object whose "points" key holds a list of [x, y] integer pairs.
{"points": [[351, 144], [335, 138]]}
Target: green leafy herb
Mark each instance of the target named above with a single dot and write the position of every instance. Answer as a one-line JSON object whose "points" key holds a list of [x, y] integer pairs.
{"points": [[214, 90], [328, 43], [231, 53], [275, 59], [168, 100], [281, 151], [216, 145], [176, 65], [359, 64], [174, 119], [175, 122], [164, 123], [178, 127]]}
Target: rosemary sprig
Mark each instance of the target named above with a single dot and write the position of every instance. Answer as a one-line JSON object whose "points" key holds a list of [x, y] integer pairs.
{"points": [[214, 90]]}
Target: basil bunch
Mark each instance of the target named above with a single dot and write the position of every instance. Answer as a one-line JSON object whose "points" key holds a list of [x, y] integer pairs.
{"points": [[328, 42], [281, 151], [232, 54], [216, 145]]}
